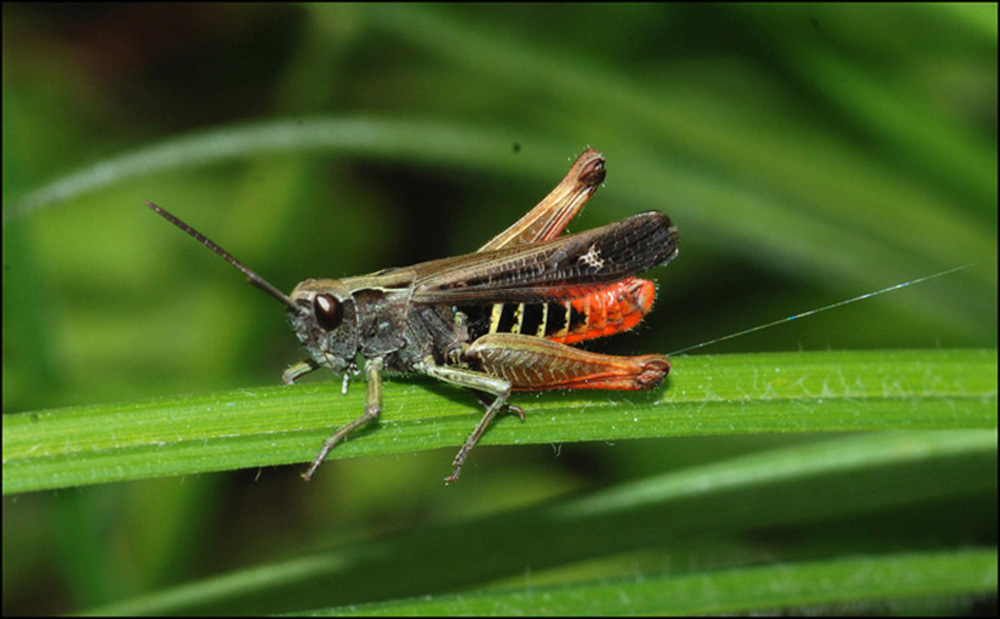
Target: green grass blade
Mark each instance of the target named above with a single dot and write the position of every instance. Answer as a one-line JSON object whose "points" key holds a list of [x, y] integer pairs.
{"points": [[793, 486], [387, 139], [864, 583], [786, 392]]}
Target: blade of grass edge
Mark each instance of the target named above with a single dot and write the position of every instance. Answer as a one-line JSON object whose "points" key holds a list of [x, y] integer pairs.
{"points": [[706, 395], [868, 582], [805, 483]]}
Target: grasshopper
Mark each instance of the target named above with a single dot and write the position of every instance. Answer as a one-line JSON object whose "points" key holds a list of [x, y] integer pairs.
{"points": [[495, 321]]}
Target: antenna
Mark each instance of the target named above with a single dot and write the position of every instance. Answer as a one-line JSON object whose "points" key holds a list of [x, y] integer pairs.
{"points": [[861, 297], [252, 277]]}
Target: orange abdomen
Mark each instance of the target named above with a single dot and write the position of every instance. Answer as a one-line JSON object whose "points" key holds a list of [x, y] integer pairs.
{"points": [[604, 311]]}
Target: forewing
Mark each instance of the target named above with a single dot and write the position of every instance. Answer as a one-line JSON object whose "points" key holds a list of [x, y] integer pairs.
{"points": [[541, 271]]}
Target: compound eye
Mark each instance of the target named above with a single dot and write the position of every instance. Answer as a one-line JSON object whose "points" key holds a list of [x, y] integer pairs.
{"points": [[329, 312]]}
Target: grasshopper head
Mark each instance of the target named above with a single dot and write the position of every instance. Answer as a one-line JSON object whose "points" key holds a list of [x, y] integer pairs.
{"points": [[324, 319]]}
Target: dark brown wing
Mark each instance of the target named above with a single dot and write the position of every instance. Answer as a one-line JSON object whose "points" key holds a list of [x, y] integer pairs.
{"points": [[538, 271]]}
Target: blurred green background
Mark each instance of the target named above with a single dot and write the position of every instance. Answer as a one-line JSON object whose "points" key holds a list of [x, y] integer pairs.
{"points": [[807, 154]]}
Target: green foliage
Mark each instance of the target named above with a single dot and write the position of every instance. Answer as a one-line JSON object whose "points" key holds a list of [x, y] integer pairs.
{"points": [[807, 153], [708, 395]]}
